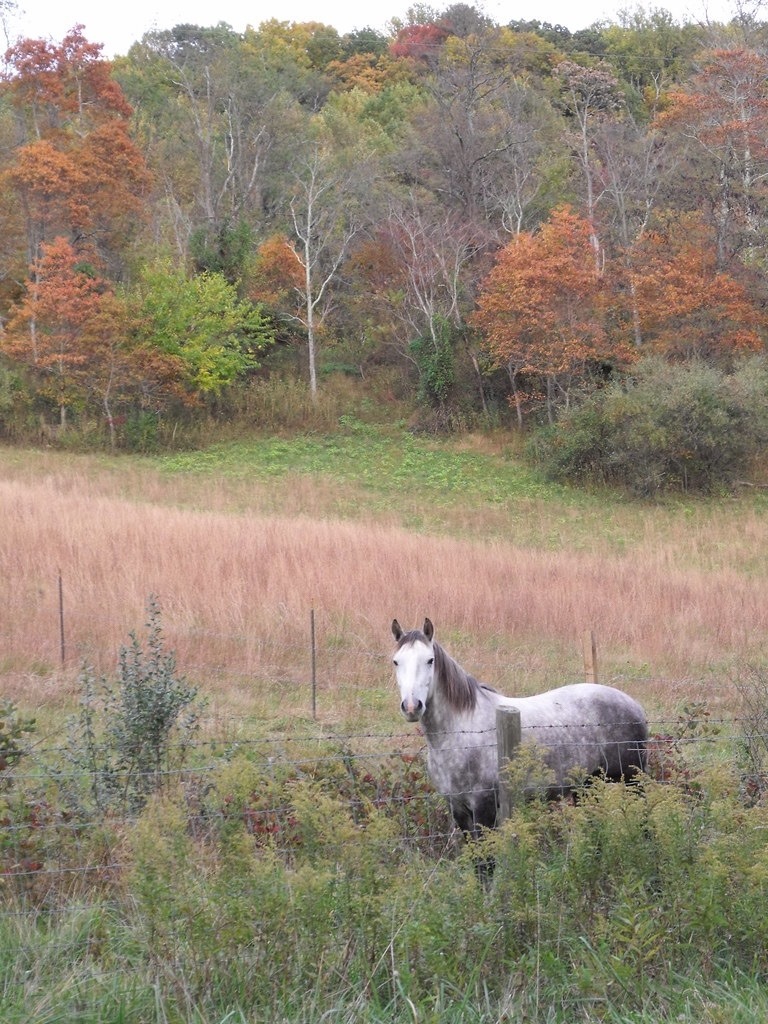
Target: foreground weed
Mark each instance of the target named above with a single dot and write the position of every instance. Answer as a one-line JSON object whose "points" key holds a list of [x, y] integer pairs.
{"points": [[15, 729], [130, 736], [637, 904]]}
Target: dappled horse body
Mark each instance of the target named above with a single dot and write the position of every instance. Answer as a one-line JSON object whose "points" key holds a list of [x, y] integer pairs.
{"points": [[582, 730]]}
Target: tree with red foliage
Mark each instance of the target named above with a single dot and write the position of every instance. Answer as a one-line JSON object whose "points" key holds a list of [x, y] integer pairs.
{"points": [[419, 42], [65, 326], [277, 276], [71, 331], [686, 305]]}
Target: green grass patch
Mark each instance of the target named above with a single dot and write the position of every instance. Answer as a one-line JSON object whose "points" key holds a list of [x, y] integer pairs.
{"points": [[379, 463]]}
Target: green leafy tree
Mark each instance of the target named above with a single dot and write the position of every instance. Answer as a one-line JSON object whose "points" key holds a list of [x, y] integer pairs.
{"points": [[200, 320], [650, 50]]}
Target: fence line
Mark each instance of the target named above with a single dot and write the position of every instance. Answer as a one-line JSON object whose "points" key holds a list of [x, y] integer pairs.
{"points": [[341, 753], [661, 742], [48, 861]]}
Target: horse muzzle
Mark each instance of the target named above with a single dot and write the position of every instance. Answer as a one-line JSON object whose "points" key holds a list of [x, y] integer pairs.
{"points": [[413, 710]]}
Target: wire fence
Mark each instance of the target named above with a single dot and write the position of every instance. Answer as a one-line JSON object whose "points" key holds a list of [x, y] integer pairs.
{"points": [[53, 804], [61, 803]]}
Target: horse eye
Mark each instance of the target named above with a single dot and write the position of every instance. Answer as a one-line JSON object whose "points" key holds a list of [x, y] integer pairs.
{"points": [[394, 662], [431, 661]]}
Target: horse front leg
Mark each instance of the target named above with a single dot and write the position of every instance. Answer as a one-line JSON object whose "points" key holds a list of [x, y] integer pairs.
{"points": [[473, 822]]}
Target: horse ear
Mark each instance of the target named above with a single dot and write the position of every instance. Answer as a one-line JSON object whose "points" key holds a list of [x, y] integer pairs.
{"points": [[429, 629], [396, 630]]}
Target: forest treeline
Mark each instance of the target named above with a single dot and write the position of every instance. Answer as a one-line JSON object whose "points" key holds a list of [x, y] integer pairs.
{"points": [[499, 220]]}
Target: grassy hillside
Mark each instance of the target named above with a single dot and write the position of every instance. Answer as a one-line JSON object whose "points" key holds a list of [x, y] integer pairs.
{"points": [[241, 541]]}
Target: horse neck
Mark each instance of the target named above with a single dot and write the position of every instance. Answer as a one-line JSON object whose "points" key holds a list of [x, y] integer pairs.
{"points": [[454, 699]]}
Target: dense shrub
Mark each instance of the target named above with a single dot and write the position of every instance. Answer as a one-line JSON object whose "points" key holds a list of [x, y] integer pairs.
{"points": [[287, 886], [603, 904], [689, 427]]}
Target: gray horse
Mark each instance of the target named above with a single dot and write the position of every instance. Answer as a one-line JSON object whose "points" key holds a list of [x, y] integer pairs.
{"points": [[582, 730]]}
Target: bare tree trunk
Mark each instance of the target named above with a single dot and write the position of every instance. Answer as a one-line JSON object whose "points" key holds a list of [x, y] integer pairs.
{"points": [[476, 366], [310, 314], [516, 394], [324, 222]]}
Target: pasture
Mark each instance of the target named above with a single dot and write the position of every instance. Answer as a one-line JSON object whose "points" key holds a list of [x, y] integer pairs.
{"points": [[240, 543], [627, 907]]}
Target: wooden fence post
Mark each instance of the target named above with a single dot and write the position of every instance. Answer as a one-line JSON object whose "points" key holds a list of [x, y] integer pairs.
{"points": [[508, 737]]}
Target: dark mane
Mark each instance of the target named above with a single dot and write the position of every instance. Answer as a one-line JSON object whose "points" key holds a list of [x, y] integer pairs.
{"points": [[459, 688]]}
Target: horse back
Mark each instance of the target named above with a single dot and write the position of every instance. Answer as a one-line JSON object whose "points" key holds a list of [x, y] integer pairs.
{"points": [[585, 728]]}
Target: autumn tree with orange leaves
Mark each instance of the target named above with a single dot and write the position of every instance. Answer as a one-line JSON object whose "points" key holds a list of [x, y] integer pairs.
{"points": [[276, 276], [66, 329], [72, 333], [77, 173], [543, 311], [686, 305]]}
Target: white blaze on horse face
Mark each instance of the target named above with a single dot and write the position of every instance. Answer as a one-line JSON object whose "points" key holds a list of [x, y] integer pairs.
{"points": [[414, 669]]}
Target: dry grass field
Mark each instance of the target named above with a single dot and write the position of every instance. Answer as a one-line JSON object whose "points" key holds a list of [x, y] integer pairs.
{"points": [[677, 595]]}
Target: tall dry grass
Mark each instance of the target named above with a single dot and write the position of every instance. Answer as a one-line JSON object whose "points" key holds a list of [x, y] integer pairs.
{"points": [[671, 612]]}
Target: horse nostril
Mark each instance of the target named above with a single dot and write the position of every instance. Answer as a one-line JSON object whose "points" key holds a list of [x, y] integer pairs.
{"points": [[412, 707]]}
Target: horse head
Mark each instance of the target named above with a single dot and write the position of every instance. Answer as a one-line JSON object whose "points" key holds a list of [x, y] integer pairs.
{"points": [[414, 661]]}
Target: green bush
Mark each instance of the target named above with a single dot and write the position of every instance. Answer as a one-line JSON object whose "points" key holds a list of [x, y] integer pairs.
{"points": [[603, 905], [434, 357], [689, 427], [141, 432], [287, 892]]}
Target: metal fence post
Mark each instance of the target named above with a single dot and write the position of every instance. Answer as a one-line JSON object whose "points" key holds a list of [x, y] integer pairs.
{"points": [[61, 620], [313, 659]]}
